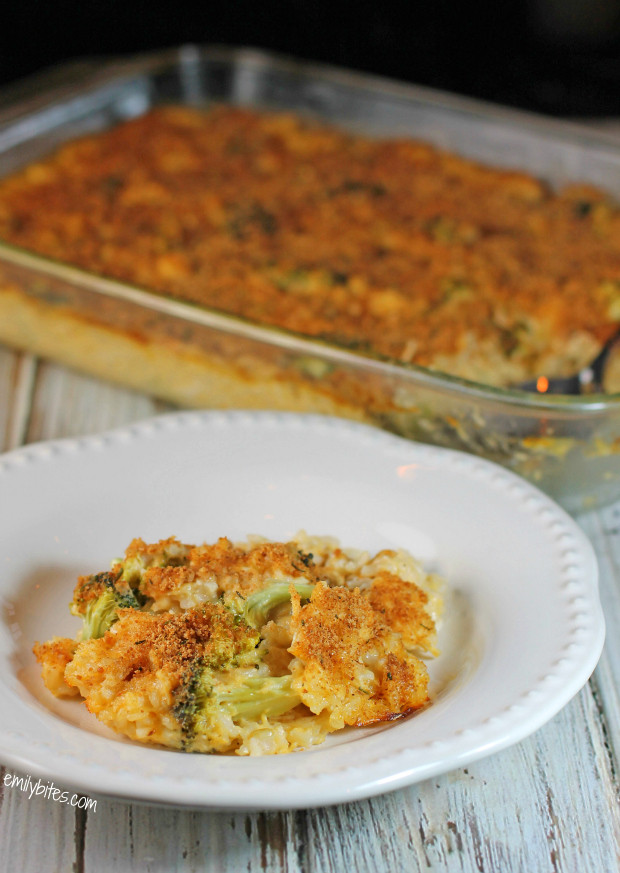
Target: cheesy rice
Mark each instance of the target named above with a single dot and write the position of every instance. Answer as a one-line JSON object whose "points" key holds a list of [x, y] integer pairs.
{"points": [[248, 648]]}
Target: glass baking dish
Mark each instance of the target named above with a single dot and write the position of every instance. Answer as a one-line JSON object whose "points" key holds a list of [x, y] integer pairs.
{"points": [[193, 356]]}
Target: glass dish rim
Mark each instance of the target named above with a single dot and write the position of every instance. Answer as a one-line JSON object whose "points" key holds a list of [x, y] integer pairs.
{"points": [[205, 316]]}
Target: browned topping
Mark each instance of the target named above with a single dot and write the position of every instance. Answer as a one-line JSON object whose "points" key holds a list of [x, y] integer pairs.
{"points": [[53, 657], [247, 570], [392, 246], [403, 607], [167, 640], [144, 643], [352, 660], [160, 580], [138, 547], [58, 651], [89, 588]]}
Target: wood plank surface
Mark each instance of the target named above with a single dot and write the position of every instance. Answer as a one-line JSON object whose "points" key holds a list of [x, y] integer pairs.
{"points": [[548, 804]]}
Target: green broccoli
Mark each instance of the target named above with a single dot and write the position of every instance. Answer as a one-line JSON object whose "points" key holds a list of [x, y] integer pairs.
{"points": [[168, 554], [203, 697], [208, 690], [100, 614], [258, 605], [257, 696]]}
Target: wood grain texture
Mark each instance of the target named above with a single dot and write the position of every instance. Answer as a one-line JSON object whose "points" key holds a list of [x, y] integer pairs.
{"points": [[17, 377], [548, 804]]}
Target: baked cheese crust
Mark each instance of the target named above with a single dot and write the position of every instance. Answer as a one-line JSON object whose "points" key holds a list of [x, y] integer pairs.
{"points": [[248, 648], [390, 246]]}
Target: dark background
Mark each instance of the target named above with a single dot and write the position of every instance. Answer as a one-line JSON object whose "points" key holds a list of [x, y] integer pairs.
{"points": [[560, 57]]}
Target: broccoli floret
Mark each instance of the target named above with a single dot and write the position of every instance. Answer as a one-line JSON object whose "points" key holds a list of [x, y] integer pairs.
{"points": [[89, 588], [203, 698], [101, 613], [270, 696], [252, 698], [210, 690], [258, 605], [166, 553]]}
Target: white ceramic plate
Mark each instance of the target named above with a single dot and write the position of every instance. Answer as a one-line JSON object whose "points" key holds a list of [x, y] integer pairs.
{"points": [[523, 628]]}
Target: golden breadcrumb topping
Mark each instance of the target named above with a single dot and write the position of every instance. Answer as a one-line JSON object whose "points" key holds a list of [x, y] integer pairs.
{"points": [[138, 548], [246, 570], [351, 662], [54, 656], [88, 589], [161, 580], [391, 245], [404, 608], [247, 648]]}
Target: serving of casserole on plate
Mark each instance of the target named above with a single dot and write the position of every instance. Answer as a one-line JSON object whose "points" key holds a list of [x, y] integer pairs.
{"points": [[222, 229], [248, 648], [521, 626]]}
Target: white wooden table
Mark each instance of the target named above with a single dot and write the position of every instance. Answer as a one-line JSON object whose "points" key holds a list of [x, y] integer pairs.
{"points": [[550, 803]]}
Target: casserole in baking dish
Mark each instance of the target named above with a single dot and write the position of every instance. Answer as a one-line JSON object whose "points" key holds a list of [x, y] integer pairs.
{"points": [[299, 248]]}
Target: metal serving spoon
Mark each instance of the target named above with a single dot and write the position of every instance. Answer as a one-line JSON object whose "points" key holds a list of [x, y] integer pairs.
{"points": [[589, 380]]}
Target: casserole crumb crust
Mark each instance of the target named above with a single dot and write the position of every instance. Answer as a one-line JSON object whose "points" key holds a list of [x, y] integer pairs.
{"points": [[390, 246], [248, 648]]}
